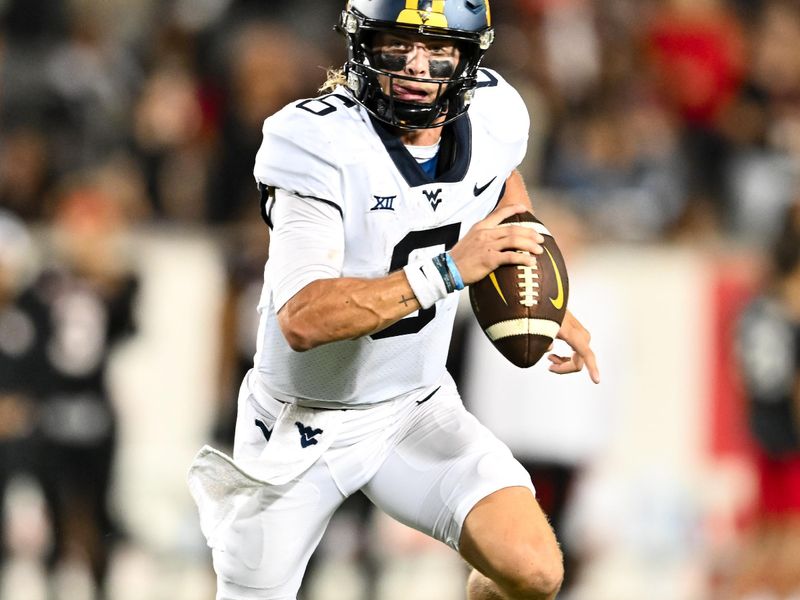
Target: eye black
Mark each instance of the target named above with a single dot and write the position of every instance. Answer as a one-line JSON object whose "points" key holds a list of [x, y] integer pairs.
{"points": [[441, 68], [390, 62]]}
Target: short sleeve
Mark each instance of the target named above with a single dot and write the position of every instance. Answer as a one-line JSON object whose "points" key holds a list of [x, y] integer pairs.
{"points": [[501, 111], [298, 154]]}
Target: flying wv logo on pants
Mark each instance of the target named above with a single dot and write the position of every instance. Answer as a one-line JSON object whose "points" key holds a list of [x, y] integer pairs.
{"points": [[307, 435]]}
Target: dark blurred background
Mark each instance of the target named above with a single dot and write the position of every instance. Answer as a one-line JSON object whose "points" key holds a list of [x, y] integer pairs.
{"points": [[664, 155]]}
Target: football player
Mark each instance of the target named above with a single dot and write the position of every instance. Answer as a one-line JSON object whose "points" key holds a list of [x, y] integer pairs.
{"points": [[383, 196]]}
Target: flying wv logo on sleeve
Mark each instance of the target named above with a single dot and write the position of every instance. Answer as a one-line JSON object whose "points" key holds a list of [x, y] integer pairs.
{"points": [[307, 435]]}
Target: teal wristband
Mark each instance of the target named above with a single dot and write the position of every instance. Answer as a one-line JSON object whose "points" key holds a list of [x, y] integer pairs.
{"points": [[440, 262], [451, 266]]}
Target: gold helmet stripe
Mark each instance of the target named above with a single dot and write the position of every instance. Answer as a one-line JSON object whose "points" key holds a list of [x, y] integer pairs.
{"points": [[414, 15]]}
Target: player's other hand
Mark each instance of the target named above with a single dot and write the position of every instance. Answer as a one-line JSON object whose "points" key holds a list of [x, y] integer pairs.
{"points": [[488, 245], [578, 339]]}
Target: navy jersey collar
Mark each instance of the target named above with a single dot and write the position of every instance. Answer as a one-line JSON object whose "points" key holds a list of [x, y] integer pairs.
{"points": [[455, 153]]}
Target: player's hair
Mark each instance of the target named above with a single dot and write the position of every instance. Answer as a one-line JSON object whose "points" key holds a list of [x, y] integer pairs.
{"points": [[334, 78]]}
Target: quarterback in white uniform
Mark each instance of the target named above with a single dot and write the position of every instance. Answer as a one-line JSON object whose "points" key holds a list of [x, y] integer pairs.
{"points": [[383, 197]]}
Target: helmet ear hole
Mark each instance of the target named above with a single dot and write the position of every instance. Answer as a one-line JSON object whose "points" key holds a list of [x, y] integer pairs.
{"points": [[367, 40]]}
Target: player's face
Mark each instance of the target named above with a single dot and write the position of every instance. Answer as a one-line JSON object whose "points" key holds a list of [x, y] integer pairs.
{"points": [[414, 56]]}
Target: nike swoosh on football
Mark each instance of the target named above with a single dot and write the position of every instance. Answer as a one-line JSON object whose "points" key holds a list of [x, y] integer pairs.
{"points": [[558, 301], [496, 285], [479, 190]]}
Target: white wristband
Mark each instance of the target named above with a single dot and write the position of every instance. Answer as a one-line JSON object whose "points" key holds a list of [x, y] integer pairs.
{"points": [[426, 282]]}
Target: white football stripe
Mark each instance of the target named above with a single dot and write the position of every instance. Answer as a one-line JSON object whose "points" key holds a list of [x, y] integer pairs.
{"points": [[505, 329], [530, 225]]}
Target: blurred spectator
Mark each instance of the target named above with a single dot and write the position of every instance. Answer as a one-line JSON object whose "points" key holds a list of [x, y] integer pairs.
{"points": [[763, 125], [92, 77], [614, 151], [65, 97], [769, 349], [572, 48], [23, 329], [172, 143], [88, 291], [266, 67], [621, 168], [696, 53]]}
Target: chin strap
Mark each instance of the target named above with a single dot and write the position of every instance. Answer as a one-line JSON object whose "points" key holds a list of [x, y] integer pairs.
{"points": [[407, 114]]}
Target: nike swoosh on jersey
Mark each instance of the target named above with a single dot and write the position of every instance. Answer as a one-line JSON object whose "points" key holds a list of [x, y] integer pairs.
{"points": [[479, 190]]}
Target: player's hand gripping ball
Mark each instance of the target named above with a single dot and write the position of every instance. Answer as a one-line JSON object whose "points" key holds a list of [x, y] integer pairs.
{"points": [[520, 308]]}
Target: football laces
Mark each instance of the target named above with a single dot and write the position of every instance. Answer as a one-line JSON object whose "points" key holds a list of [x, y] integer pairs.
{"points": [[528, 284]]}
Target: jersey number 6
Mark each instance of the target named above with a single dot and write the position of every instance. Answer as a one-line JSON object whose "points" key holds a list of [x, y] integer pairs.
{"points": [[446, 235]]}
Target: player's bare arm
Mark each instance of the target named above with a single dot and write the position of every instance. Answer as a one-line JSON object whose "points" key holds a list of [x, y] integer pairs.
{"points": [[515, 192], [330, 310]]}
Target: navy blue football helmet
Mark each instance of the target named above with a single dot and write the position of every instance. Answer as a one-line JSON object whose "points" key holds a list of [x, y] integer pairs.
{"points": [[465, 23]]}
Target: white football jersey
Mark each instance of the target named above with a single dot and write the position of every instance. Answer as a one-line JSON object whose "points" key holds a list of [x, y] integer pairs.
{"points": [[329, 149]]}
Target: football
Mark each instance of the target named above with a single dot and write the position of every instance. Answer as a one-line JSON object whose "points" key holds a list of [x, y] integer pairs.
{"points": [[520, 308]]}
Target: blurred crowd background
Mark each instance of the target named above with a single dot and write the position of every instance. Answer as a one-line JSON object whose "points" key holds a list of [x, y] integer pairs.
{"points": [[664, 154]]}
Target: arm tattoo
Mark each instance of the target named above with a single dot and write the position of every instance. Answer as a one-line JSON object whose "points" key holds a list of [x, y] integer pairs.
{"points": [[404, 300]]}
